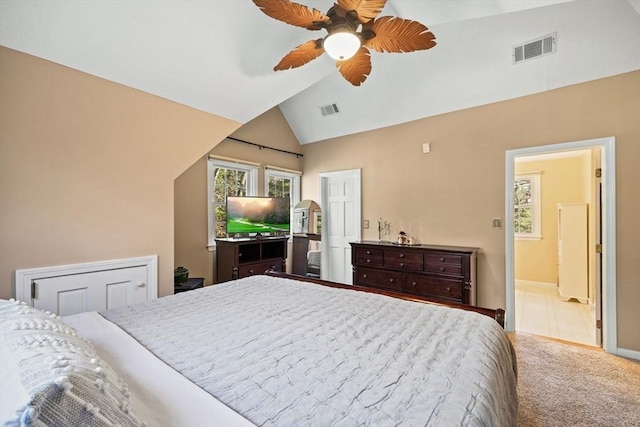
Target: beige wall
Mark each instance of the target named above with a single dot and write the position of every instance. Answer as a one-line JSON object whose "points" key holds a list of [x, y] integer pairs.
{"points": [[87, 168], [450, 195], [561, 181], [269, 129], [87, 171]]}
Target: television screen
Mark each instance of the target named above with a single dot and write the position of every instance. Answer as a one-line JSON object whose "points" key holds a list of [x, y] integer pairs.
{"points": [[264, 215]]}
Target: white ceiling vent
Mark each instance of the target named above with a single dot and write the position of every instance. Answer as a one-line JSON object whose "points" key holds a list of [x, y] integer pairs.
{"points": [[330, 109], [541, 46]]}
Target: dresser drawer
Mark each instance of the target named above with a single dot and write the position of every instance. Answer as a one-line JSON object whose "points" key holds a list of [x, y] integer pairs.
{"points": [[430, 286], [444, 264], [259, 268], [406, 260], [378, 278], [369, 256]]}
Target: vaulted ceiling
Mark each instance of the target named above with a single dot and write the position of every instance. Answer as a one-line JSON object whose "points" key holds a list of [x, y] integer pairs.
{"points": [[218, 56]]}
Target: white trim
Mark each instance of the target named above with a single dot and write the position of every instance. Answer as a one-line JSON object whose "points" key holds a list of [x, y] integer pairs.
{"points": [[609, 317], [631, 354], [25, 277], [231, 161], [279, 169]]}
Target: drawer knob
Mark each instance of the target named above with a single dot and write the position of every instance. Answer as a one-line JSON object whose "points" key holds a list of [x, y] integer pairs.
{"points": [[368, 252], [401, 255], [401, 264], [441, 268], [364, 276], [368, 260], [441, 259], [413, 284], [448, 288], [391, 280], [251, 271]]}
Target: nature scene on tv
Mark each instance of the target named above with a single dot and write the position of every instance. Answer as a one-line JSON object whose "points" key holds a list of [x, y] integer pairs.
{"points": [[257, 215]]}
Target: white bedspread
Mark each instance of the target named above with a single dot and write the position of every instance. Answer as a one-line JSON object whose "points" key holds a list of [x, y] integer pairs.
{"points": [[161, 396], [289, 353]]}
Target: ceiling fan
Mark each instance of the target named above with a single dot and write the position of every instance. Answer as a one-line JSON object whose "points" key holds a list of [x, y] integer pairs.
{"points": [[352, 29]]}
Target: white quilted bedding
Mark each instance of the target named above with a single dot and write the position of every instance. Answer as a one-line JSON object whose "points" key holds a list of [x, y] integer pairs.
{"points": [[289, 353]]}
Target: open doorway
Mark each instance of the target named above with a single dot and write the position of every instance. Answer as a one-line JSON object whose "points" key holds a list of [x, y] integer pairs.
{"points": [[598, 293], [556, 266]]}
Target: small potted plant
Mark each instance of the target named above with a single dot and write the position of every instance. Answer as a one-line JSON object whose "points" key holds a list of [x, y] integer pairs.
{"points": [[180, 275]]}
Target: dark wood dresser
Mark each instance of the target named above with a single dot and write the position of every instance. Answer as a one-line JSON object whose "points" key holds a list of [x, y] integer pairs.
{"points": [[446, 273], [237, 258]]}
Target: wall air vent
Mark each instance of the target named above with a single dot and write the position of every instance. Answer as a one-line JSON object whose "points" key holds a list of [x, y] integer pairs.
{"points": [[535, 48], [328, 110]]}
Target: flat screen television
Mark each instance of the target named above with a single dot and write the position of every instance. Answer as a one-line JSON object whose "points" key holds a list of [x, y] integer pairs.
{"points": [[248, 215]]}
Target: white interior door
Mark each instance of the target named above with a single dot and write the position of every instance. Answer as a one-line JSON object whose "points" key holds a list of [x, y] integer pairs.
{"points": [[341, 217], [93, 291]]}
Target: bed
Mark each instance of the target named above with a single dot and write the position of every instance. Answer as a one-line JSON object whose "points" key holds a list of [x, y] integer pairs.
{"points": [[264, 350]]}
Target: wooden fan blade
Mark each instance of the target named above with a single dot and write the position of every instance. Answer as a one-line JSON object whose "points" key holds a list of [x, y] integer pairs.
{"points": [[394, 34], [366, 9], [357, 68], [301, 55], [292, 13]]}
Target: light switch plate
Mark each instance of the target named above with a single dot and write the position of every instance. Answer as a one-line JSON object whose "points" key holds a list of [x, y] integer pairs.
{"points": [[365, 223]]}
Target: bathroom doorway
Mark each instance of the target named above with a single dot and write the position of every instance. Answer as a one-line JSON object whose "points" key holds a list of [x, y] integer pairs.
{"points": [[523, 287]]}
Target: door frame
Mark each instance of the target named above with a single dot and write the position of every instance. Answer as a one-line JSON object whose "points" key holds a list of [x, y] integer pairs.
{"points": [[608, 215], [323, 179]]}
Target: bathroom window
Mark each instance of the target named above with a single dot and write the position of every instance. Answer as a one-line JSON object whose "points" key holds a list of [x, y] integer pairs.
{"points": [[526, 205]]}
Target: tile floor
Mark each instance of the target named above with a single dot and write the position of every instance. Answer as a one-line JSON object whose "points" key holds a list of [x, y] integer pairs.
{"points": [[540, 311]]}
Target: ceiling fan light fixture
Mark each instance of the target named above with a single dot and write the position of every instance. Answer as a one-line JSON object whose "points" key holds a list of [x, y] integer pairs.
{"points": [[341, 45]]}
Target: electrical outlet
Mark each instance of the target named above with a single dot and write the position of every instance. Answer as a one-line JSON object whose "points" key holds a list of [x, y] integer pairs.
{"points": [[365, 223], [426, 147], [497, 223]]}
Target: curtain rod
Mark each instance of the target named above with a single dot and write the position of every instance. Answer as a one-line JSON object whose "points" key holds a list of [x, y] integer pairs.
{"points": [[260, 146]]}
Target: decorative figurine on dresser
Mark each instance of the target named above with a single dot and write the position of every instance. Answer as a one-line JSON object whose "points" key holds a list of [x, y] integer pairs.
{"points": [[446, 273]]}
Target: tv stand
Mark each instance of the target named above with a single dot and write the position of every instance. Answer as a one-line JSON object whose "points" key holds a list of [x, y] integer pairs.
{"points": [[237, 258]]}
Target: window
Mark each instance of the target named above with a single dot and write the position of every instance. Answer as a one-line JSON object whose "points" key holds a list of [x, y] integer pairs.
{"points": [[280, 183], [226, 179], [526, 204]]}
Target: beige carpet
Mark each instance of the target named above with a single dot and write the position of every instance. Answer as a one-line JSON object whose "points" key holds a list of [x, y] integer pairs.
{"points": [[560, 384]]}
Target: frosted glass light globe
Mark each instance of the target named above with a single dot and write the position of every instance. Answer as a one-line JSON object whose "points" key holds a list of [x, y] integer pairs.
{"points": [[341, 45]]}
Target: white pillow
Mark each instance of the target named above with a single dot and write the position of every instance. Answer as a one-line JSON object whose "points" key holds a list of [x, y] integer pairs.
{"points": [[52, 376]]}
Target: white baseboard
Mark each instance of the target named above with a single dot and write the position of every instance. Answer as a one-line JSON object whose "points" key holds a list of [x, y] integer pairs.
{"points": [[532, 283], [629, 354]]}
